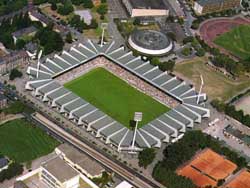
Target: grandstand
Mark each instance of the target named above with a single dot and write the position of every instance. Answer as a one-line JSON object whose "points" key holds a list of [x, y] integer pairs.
{"points": [[168, 127]]}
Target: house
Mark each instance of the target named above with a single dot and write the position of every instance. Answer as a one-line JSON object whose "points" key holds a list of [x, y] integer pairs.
{"points": [[3, 104], [28, 31], [36, 16], [13, 60], [139, 8], [55, 173], [80, 161], [209, 6]]}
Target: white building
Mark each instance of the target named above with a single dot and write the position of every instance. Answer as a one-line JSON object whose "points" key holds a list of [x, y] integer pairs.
{"points": [[144, 8]]}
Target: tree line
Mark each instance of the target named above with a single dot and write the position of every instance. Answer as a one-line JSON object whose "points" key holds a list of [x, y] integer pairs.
{"points": [[231, 111]]}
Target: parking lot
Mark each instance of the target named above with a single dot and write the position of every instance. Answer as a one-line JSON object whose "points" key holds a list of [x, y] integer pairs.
{"points": [[216, 131]]}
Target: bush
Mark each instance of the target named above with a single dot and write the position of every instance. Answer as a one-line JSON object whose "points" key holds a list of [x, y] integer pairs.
{"points": [[167, 66], [146, 157], [13, 170], [15, 74]]}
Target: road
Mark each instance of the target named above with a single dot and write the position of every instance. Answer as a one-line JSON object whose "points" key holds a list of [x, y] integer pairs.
{"points": [[108, 163]]}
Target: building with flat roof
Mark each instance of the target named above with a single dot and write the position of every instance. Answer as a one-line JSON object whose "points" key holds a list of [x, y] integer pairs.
{"points": [[209, 6], [138, 8], [55, 173], [80, 161]]}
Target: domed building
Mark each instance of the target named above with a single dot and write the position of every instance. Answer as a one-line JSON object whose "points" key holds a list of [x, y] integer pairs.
{"points": [[150, 42]]}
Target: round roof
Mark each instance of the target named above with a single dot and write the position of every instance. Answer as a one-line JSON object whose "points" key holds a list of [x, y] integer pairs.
{"points": [[150, 39]]}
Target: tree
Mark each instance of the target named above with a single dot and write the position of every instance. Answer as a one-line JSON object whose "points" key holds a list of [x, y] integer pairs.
{"points": [[88, 4], [146, 157], [13, 170], [155, 61], [69, 38], [53, 6], [171, 35], [136, 21], [15, 74], [66, 8], [50, 40], [102, 9], [167, 66], [20, 43]]}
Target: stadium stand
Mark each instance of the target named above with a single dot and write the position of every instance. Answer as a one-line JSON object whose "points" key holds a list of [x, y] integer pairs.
{"points": [[169, 127]]}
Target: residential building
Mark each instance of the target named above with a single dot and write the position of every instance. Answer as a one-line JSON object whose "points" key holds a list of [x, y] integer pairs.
{"points": [[13, 60], [209, 6], [3, 104], [28, 31], [55, 173], [139, 8], [79, 161]]}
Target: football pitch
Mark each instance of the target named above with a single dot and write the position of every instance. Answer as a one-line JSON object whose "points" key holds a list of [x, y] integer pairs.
{"points": [[237, 41], [115, 97], [23, 142]]}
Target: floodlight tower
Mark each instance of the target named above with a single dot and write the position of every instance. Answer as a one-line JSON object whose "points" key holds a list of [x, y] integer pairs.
{"points": [[137, 119], [38, 62], [202, 83], [104, 26]]}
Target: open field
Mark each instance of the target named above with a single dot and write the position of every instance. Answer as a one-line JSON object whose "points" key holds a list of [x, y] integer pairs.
{"points": [[207, 168], [115, 97], [243, 104], [23, 142], [216, 85], [237, 41]]}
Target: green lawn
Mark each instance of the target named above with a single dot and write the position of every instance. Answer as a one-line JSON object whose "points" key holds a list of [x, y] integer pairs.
{"points": [[115, 97], [216, 85], [237, 41], [23, 142]]}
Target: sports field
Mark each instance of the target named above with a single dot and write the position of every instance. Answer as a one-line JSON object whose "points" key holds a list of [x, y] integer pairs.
{"points": [[115, 97], [237, 41], [23, 142], [207, 168]]}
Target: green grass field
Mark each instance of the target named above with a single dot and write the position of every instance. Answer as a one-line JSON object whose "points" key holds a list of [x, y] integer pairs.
{"points": [[216, 85], [115, 97], [237, 41], [23, 142]]}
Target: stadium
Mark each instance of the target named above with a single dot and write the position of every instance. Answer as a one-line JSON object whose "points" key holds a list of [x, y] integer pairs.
{"points": [[54, 80], [150, 42]]}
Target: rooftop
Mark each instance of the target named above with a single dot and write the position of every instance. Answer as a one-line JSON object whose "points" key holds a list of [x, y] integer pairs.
{"points": [[148, 4], [150, 39], [65, 173], [85, 162], [25, 31]]}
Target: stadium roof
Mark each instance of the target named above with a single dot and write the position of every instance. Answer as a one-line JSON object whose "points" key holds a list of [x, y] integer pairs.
{"points": [[166, 127]]}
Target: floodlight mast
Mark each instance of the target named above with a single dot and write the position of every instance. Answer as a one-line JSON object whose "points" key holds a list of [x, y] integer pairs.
{"points": [[137, 119], [104, 25], [38, 63], [202, 83]]}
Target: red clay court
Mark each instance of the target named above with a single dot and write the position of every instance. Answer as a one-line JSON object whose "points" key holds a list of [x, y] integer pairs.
{"points": [[240, 181], [207, 168], [212, 28]]}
